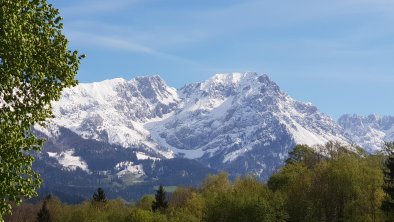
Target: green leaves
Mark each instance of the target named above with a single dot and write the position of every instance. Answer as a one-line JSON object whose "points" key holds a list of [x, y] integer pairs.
{"points": [[35, 67], [343, 186]]}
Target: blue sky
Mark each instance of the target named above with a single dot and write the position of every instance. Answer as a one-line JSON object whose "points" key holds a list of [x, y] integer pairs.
{"points": [[337, 54]]}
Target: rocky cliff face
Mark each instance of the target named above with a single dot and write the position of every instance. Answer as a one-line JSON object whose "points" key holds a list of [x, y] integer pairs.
{"points": [[241, 123], [238, 122], [370, 131]]}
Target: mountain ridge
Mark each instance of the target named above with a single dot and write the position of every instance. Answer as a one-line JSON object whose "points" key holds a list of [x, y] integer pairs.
{"points": [[239, 122], [369, 132], [129, 136]]}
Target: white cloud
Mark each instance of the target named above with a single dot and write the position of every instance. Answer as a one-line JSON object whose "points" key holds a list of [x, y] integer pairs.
{"points": [[124, 44], [160, 37], [110, 42]]}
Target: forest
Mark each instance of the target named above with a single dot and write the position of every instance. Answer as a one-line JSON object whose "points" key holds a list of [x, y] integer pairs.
{"points": [[331, 184]]}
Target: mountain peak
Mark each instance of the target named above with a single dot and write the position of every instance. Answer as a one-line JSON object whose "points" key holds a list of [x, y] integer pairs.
{"points": [[232, 121], [235, 78], [113, 81], [155, 89], [231, 77], [150, 79], [154, 79], [228, 84]]}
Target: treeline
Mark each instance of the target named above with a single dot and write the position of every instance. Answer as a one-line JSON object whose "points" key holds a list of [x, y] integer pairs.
{"points": [[334, 184]]}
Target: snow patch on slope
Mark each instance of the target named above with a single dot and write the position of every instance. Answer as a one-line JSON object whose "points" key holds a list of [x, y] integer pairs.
{"points": [[143, 156], [69, 161], [128, 168]]}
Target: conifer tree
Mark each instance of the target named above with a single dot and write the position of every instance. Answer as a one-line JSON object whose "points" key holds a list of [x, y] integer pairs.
{"points": [[43, 215], [388, 187], [160, 202], [99, 196]]}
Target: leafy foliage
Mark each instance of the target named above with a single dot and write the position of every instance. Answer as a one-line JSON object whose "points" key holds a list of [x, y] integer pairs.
{"points": [[303, 154], [341, 186], [35, 66]]}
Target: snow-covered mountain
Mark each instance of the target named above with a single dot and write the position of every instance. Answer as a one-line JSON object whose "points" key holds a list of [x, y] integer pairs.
{"points": [[115, 111], [243, 123], [238, 122], [370, 131]]}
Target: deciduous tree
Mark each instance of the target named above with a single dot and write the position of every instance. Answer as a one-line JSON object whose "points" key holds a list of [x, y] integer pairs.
{"points": [[35, 66]]}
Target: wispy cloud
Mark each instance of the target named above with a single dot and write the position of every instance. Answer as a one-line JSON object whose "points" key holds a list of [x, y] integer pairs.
{"points": [[110, 42], [168, 30], [159, 37], [124, 44]]}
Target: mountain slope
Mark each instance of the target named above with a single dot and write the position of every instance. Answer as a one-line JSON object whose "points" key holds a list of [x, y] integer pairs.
{"points": [[115, 111], [72, 168], [370, 131], [238, 122], [242, 123]]}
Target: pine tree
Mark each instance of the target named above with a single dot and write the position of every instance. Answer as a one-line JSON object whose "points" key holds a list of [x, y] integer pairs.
{"points": [[99, 197], [43, 215], [160, 202], [388, 187]]}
